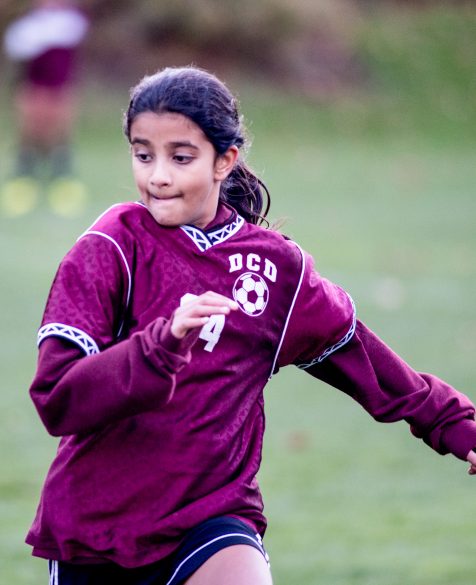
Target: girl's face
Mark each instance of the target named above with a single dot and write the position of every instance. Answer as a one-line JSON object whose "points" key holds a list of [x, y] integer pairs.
{"points": [[176, 169]]}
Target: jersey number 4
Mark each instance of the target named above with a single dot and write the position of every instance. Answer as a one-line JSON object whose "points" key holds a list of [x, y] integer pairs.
{"points": [[211, 331]]}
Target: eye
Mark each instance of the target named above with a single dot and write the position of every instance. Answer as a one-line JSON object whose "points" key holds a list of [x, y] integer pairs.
{"points": [[183, 159], [143, 156]]}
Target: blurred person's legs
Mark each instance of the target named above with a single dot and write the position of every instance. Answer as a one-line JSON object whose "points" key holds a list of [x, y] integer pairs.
{"points": [[21, 192], [45, 119], [46, 116]]}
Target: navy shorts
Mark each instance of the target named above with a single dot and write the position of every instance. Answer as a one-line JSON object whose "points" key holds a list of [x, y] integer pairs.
{"points": [[198, 546]]}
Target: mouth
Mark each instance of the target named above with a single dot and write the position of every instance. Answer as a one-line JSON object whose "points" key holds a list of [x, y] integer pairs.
{"points": [[159, 197]]}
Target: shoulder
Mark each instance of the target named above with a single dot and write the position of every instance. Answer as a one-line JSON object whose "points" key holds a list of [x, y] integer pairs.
{"points": [[119, 214], [109, 241], [128, 231], [120, 223], [282, 247]]}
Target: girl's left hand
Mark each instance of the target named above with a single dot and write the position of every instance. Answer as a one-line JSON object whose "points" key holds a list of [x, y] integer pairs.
{"points": [[472, 459]]}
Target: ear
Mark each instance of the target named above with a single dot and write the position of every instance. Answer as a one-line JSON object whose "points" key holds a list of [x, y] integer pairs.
{"points": [[225, 162]]}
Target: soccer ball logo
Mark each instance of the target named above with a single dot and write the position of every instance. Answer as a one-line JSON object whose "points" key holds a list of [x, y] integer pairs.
{"points": [[251, 293]]}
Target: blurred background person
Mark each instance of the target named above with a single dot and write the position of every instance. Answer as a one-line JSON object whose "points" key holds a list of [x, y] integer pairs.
{"points": [[44, 43]]}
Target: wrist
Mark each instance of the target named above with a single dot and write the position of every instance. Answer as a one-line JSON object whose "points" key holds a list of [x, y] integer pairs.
{"points": [[177, 332], [179, 345]]}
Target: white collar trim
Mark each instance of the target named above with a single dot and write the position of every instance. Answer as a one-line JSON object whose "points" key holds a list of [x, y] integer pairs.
{"points": [[205, 240]]}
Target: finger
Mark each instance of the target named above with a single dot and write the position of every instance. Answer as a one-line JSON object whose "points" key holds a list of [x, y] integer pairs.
{"points": [[197, 311], [192, 322], [217, 298], [207, 307], [200, 311], [182, 327], [212, 293], [229, 304], [471, 457]]}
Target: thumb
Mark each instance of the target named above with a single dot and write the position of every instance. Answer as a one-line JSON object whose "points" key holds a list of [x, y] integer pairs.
{"points": [[471, 457]]}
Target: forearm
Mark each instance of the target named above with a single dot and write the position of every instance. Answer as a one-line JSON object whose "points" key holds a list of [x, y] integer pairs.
{"points": [[75, 394], [390, 390]]}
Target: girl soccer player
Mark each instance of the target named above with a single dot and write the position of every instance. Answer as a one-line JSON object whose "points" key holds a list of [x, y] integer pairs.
{"points": [[163, 324]]}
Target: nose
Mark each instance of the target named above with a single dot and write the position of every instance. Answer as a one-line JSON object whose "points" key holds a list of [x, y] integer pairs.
{"points": [[161, 176]]}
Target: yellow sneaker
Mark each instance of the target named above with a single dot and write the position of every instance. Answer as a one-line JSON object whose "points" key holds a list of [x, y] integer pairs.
{"points": [[67, 197], [19, 196]]}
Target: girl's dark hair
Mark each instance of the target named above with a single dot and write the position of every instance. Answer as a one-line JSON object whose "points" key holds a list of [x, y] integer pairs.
{"points": [[205, 100]]}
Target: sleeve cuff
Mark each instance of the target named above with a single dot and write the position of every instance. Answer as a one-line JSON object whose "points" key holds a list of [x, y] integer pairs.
{"points": [[174, 345], [460, 438]]}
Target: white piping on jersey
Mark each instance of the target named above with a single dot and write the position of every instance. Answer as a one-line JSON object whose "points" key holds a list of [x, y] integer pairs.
{"points": [[230, 535], [298, 288], [347, 337], [129, 277], [205, 240], [99, 217], [85, 342]]}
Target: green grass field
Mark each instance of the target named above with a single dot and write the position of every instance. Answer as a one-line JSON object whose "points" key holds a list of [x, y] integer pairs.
{"points": [[388, 215]]}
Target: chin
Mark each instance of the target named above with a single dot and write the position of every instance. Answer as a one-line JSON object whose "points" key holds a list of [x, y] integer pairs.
{"points": [[166, 217], [166, 221]]}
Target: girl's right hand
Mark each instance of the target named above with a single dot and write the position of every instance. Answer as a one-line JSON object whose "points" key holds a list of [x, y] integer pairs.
{"points": [[196, 312]]}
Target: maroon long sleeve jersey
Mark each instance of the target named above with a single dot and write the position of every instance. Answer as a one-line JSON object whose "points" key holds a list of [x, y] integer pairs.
{"points": [[159, 434]]}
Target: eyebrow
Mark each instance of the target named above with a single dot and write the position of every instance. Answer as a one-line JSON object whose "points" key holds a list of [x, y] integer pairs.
{"points": [[140, 141], [184, 143], [176, 144]]}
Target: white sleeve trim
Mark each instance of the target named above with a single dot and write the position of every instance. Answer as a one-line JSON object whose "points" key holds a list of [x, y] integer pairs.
{"points": [[347, 337], [285, 328], [77, 336]]}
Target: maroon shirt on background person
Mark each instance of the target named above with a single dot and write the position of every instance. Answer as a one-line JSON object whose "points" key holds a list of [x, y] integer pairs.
{"points": [[160, 434]]}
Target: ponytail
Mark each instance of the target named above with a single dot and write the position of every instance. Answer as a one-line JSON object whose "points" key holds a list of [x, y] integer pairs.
{"points": [[247, 194]]}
